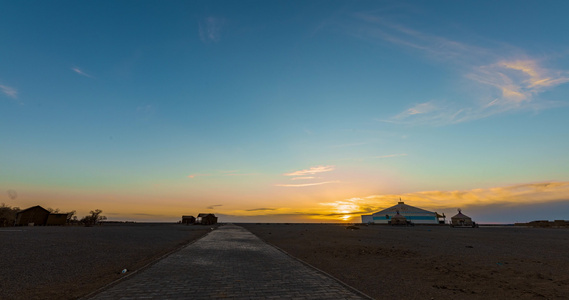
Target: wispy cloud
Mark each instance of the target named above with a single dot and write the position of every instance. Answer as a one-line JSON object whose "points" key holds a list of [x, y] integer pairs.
{"points": [[512, 82], [80, 72], [439, 113], [210, 29], [261, 209], [214, 206], [303, 178], [381, 28], [302, 175], [517, 81], [311, 171], [306, 184], [9, 91]]}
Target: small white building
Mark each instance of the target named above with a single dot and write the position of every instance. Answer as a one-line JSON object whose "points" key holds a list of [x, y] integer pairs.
{"points": [[461, 220], [413, 214]]}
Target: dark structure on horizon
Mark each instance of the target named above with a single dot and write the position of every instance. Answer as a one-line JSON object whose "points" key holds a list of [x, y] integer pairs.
{"points": [[56, 219], [39, 216], [206, 219], [188, 220], [35, 215]]}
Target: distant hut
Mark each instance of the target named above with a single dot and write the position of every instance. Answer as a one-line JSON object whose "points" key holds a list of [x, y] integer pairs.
{"points": [[206, 219], [462, 220], [35, 215], [441, 218], [398, 219], [56, 219], [188, 220]]}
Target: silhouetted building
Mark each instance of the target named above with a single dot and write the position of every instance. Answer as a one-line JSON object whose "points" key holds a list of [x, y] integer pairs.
{"points": [[56, 219], [35, 215], [206, 219], [188, 220]]}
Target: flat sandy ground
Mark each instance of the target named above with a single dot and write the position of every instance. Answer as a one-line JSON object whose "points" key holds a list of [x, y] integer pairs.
{"points": [[431, 262], [421, 262], [69, 262]]}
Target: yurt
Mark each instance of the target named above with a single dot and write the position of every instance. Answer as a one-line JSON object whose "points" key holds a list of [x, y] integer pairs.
{"points": [[411, 213], [461, 220], [398, 220]]}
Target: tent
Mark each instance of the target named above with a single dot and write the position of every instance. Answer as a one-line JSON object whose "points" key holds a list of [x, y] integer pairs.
{"points": [[461, 220]]}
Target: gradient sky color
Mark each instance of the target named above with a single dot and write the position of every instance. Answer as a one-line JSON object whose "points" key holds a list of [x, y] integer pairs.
{"points": [[285, 111]]}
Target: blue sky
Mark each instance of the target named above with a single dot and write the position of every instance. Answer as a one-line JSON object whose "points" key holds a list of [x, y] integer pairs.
{"points": [[150, 109]]}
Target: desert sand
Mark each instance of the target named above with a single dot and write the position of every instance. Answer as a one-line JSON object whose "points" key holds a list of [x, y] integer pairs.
{"points": [[432, 262]]}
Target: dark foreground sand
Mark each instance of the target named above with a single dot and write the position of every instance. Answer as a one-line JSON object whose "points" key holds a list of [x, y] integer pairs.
{"points": [[428, 262], [420, 262], [69, 262]]}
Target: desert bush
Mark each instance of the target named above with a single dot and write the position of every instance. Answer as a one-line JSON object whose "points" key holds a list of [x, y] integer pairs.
{"points": [[72, 218], [94, 219]]}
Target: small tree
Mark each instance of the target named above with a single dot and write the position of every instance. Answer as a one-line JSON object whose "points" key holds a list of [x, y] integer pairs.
{"points": [[94, 218], [8, 215], [71, 217]]}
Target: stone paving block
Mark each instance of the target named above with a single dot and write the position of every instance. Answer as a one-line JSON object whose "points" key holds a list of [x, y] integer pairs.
{"points": [[229, 263]]}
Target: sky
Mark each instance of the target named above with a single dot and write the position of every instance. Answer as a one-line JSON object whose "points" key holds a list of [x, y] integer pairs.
{"points": [[285, 111]]}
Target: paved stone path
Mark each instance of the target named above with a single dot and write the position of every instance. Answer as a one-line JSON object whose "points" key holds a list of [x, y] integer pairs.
{"points": [[229, 262]]}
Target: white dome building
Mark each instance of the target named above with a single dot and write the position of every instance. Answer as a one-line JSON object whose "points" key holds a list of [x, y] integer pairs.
{"points": [[411, 213], [462, 220]]}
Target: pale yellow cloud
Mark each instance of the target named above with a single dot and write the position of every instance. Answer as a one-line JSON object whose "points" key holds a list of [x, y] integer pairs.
{"points": [[513, 93], [518, 80], [526, 66], [311, 171], [302, 178]]}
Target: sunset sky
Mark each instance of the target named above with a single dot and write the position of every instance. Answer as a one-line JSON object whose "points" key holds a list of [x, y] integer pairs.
{"points": [[285, 111]]}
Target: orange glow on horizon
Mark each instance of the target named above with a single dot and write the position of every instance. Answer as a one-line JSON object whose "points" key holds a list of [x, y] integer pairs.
{"points": [[152, 207]]}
